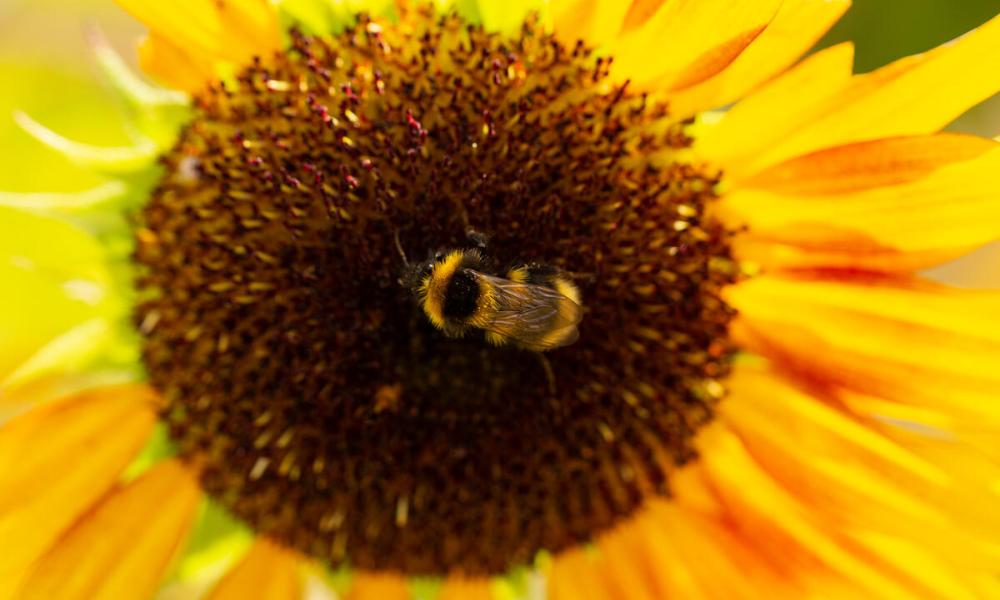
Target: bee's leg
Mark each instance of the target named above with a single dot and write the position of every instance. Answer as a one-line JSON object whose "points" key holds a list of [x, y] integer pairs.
{"points": [[399, 247], [550, 375], [464, 215]]}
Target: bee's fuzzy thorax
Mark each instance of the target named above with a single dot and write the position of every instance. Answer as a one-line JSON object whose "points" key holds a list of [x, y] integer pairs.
{"points": [[434, 285]]}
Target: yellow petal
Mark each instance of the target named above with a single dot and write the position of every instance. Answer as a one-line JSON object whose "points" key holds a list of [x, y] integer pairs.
{"points": [[267, 572], [915, 95], [201, 34], [776, 110], [796, 27], [915, 344], [811, 247], [573, 576], [783, 527], [687, 41], [192, 24], [172, 65], [866, 165], [723, 563], [460, 588], [595, 21], [234, 30], [378, 586], [122, 548], [57, 460], [672, 548], [865, 486], [625, 566], [896, 204]]}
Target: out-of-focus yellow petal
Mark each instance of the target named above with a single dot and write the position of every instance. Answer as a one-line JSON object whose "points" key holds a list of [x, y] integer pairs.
{"points": [[707, 553], [378, 586], [459, 588], [201, 35], [33, 311], [122, 548], [915, 95], [874, 493], [687, 41], [267, 572], [25, 240], [895, 204], [797, 26], [57, 460], [595, 21], [505, 17], [172, 65], [232, 30], [48, 288], [782, 526], [573, 576], [682, 547], [625, 567]]}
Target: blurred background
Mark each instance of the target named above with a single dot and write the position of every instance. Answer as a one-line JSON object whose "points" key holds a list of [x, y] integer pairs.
{"points": [[45, 60]]}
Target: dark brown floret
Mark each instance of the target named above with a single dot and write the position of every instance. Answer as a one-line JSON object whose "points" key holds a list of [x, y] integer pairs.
{"points": [[324, 407]]}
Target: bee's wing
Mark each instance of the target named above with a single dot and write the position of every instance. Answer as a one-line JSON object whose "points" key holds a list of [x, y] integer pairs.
{"points": [[536, 317]]}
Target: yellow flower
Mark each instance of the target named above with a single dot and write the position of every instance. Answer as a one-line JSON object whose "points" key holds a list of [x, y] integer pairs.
{"points": [[213, 383]]}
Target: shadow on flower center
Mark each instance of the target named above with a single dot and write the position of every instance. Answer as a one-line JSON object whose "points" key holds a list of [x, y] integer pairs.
{"points": [[326, 411]]}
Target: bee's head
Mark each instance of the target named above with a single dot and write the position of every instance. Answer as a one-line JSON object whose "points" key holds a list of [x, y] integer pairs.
{"points": [[415, 274]]}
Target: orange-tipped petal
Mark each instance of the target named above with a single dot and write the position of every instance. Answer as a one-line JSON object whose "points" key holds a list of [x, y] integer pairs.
{"points": [[867, 165], [267, 572], [915, 95], [798, 25], [57, 460], [123, 548], [684, 42], [895, 204]]}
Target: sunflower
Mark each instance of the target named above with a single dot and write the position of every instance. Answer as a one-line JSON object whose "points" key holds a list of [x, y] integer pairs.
{"points": [[214, 384]]}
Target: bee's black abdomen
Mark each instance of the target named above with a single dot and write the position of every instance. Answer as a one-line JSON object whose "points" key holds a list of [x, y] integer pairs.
{"points": [[461, 295]]}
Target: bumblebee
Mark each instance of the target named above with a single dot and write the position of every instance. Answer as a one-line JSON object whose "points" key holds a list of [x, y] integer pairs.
{"points": [[533, 306]]}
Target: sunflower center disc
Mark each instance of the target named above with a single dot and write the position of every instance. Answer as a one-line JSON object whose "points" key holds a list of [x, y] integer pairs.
{"points": [[326, 411]]}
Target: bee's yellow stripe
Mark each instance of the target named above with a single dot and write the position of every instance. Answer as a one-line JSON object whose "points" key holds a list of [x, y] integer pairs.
{"points": [[567, 288], [518, 274], [436, 284]]}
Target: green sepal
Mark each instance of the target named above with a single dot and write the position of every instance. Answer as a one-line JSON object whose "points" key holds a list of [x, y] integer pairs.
{"points": [[425, 588], [156, 113], [100, 159]]}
